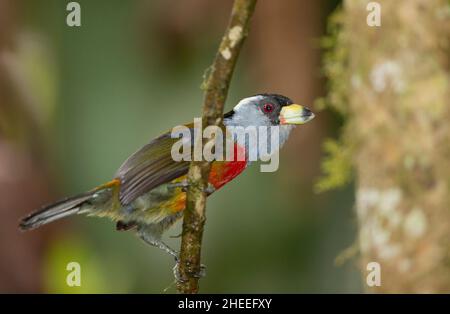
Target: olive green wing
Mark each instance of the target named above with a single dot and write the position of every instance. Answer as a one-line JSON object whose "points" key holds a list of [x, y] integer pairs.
{"points": [[149, 167]]}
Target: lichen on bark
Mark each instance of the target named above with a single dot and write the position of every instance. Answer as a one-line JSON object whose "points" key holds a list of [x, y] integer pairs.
{"points": [[391, 83]]}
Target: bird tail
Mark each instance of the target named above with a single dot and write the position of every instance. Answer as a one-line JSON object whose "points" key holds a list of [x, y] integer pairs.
{"points": [[52, 212], [63, 208]]}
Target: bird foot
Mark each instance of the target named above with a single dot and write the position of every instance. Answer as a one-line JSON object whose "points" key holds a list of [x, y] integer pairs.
{"points": [[176, 272], [209, 189], [176, 236], [185, 184]]}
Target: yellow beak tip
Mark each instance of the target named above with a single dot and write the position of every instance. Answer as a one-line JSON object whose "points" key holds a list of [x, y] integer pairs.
{"points": [[295, 114]]}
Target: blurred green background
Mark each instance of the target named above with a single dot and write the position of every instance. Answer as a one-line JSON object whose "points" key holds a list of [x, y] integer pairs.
{"points": [[76, 101]]}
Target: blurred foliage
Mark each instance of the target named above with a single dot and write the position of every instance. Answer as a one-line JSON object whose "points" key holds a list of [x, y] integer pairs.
{"points": [[93, 274]]}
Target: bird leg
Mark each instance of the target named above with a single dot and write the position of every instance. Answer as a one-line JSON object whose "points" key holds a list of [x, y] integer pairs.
{"points": [[151, 234], [152, 237], [176, 269], [155, 240]]}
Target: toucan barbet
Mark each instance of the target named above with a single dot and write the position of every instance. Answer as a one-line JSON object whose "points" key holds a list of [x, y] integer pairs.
{"points": [[147, 194]]}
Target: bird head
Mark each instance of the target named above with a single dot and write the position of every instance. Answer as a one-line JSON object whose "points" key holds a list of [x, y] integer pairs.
{"points": [[268, 110]]}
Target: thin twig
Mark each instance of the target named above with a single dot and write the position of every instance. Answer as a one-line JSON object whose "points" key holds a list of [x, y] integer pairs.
{"points": [[216, 88]]}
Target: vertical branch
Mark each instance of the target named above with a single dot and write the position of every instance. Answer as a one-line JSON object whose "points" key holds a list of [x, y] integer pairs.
{"points": [[216, 88]]}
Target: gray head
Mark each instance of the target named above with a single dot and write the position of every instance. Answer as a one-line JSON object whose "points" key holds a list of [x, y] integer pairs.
{"points": [[269, 110]]}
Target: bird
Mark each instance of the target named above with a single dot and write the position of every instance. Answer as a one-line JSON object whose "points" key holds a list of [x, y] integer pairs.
{"points": [[147, 195]]}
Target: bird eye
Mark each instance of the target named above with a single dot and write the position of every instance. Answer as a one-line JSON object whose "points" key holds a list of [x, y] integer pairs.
{"points": [[268, 108]]}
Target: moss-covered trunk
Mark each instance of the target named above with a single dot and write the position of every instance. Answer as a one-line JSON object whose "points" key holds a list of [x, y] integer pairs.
{"points": [[392, 83]]}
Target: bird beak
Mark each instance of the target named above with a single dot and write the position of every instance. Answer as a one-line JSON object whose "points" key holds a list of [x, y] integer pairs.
{"points": [[295, 114]]}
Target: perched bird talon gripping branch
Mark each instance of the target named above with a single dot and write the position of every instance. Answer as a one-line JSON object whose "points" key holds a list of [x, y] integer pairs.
{"points": [[184, 184], [148, 192], [178, 277]]}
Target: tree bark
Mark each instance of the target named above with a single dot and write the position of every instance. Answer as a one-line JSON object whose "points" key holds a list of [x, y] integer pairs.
{"points": [[216, 88], [396, 85]]}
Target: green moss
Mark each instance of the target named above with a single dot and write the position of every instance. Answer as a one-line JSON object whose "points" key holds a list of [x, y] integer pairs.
{"points": [[335, 64], [336, 165]]}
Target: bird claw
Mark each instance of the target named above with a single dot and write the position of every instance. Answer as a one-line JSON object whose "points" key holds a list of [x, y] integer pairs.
{"points": [[202, 272], [176, 236], [182, 184], [176, 272], [185, 184], [209, 189]]}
